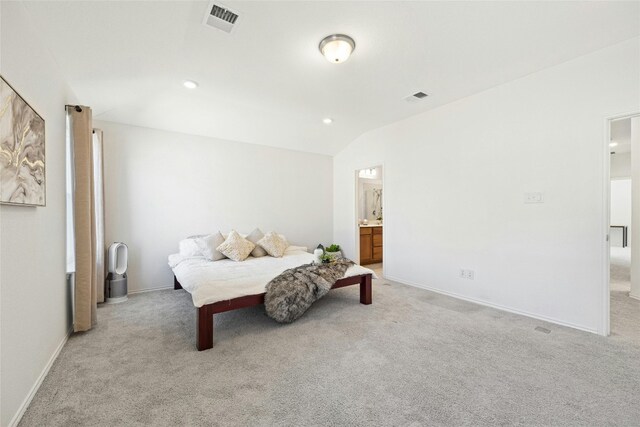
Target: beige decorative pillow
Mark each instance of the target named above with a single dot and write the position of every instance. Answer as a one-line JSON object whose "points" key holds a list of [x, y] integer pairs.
{"points": [[236, 247], [274, 244], [286, 242], [208, 245], [253, 237]]}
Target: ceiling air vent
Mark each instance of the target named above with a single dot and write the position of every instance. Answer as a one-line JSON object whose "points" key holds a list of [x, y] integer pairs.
{"points": [[220, 17], [416, 97]]}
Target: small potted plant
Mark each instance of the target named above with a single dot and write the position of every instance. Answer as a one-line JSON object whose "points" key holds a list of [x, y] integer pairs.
{"points": [[326, 258], [333, 251]]}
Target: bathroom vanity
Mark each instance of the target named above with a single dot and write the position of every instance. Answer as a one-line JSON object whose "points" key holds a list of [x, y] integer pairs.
{"points": [[370, 244]]}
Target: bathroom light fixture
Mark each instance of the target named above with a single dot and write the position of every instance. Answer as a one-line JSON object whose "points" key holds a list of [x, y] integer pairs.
{"points": [[337, 47], [368, 173], [327, 121], [190, 84], [613, 144]]}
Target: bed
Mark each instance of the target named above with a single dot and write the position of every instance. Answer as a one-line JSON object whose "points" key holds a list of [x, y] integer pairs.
{"points": [[219, 286]]}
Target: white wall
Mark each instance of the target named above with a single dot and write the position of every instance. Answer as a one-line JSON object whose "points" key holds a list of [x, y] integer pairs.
{"points": [[35, 301], [620, 165], [162, 186], [635, 207], [455, 179], [620, 209]]}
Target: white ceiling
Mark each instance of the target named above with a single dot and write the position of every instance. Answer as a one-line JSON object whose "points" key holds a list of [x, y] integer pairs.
{"points": [[266, 82]]}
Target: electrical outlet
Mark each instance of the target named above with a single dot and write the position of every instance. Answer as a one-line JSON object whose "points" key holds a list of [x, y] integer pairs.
{"points": [[467, 274], [533, 198]]}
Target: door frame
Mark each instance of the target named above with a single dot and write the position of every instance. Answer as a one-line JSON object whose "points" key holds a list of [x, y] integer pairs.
{"points": [[356, 206], [606, 248]]}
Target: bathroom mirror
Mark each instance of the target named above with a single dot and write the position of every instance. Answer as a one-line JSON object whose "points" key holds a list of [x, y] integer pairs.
{"points": [[370, 195]]}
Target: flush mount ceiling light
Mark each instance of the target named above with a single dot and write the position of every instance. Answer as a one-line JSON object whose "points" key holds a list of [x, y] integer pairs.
{"points": [[327, 121], [337, 47], [190, 84], [613, 144]]}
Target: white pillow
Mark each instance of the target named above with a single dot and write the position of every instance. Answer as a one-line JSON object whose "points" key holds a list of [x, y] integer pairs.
{"points": [[236, 247], [253, 237], [189, 248], [208, 246], [274, 243]]}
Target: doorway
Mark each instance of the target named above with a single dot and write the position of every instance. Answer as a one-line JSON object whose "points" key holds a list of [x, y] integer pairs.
{"points": [[623, 285], [370, 218]]}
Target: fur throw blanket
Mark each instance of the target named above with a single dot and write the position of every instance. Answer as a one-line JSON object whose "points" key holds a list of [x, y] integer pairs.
{"points": [[290, 294]]}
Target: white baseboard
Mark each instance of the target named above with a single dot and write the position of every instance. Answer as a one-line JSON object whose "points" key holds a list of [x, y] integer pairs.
{"points": [[141, 291], [27, 400], [496, 306]]}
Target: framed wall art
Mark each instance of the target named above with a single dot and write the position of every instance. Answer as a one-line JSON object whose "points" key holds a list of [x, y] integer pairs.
{"points": [[22, 150]]}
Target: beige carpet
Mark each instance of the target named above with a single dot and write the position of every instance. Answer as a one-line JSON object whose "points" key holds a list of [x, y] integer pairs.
{"points": [[412, 358], [625, 311], [620, 269]]}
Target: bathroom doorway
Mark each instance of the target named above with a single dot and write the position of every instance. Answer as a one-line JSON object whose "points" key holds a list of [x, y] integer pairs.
{"points": [[370, 217], [624, 202]]}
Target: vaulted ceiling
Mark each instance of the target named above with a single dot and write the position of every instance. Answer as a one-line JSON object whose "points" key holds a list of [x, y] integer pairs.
{"points": [[266, 83]]}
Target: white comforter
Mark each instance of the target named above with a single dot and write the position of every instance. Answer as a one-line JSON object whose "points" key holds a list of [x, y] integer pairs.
{"points": [[213, 281]]}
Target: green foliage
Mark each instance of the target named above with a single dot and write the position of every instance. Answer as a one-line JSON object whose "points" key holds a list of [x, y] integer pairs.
{"points": [[333, 248], [326, 258]]}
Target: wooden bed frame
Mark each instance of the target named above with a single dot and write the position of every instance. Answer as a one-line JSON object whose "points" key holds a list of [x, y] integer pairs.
{"points": [[204, 320]]}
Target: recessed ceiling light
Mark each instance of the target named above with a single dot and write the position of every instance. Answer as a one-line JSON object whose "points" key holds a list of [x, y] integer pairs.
{"points": [[613, 144], [190, 84], [327, 121], [337, 47]]}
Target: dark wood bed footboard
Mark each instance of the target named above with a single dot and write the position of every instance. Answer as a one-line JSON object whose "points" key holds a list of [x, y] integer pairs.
{"points": [[204, 314]]}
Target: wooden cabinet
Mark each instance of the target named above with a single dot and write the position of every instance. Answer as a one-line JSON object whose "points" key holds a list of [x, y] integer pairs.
{"points": [[366, 247], [370, 245]]}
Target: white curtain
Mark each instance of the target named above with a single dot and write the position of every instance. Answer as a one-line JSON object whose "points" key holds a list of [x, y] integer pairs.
{"points": [[98, 208]]}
